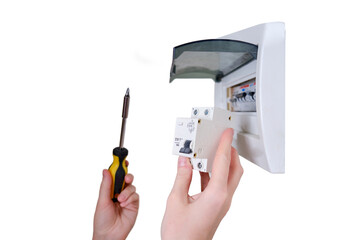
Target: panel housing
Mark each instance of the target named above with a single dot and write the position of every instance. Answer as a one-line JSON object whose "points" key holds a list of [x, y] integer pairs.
{"points": [[259, 117]]}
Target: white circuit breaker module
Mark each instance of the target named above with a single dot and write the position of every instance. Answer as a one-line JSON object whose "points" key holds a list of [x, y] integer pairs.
{"points": [[192, 135], [248, 68]]}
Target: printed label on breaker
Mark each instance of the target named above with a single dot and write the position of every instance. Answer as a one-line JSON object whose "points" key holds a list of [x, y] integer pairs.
{"points": [[177, 141]]}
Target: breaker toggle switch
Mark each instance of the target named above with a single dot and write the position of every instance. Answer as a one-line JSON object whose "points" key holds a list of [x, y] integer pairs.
{"points": [[186, 149], [241, 97], [249, 97]]}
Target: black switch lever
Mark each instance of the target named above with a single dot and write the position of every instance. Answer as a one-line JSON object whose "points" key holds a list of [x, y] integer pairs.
{"points": [[186, 148]]}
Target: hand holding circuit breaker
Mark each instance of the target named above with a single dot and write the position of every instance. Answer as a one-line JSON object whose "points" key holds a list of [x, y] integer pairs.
{"points": [[198, 216]]}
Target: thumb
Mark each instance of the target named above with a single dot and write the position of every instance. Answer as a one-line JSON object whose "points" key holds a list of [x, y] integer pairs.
{"points": [[105, 189], [183, 178]]}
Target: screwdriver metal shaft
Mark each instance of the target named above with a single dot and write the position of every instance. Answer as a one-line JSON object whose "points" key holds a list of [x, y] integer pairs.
{"points": [[125, 112]]}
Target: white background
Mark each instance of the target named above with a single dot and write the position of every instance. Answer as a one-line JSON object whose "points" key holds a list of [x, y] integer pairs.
{"points": [[65, 66]]}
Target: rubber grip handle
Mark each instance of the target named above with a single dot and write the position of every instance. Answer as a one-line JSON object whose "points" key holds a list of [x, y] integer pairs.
{"points": [[118, 170]]}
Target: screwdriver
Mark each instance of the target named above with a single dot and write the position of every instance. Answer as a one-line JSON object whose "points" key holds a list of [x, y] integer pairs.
{"points": [[118, 168]]}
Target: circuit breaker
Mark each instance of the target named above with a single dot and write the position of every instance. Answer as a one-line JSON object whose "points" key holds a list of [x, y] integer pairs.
{"points": [[248, 68], [192, 135]]}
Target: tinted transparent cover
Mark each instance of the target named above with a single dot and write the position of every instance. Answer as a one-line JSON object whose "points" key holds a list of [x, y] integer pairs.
{"points": [[214, 58]]}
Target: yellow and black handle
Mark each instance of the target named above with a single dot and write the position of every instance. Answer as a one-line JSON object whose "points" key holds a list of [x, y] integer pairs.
{"points": [[118, 170]]}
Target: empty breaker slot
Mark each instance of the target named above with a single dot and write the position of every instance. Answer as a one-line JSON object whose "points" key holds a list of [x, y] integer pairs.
{"points": [[242, 97]]}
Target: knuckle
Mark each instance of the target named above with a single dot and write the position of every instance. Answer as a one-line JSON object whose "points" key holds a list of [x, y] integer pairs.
{"points": [[135, 197], [125, 193], [227, 205], [241, 171], [171, 198], [130, 177], [174, 199]]}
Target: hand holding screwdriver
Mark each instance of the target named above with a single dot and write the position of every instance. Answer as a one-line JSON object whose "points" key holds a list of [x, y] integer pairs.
{"points": [[116, 212], [118, 168]]}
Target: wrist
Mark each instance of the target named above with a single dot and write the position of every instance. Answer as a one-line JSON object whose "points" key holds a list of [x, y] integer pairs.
{"points": [[186, 236], [102, 237]]}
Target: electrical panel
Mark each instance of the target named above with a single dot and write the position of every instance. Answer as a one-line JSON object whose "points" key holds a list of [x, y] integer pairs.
{"points": [[248, 68]]}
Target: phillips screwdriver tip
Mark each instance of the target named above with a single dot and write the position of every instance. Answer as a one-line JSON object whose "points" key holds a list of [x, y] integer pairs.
{"points": [[125, 111]]}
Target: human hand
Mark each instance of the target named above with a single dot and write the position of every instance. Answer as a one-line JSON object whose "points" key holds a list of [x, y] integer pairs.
{"points": [[115, 220], [197, 217]]}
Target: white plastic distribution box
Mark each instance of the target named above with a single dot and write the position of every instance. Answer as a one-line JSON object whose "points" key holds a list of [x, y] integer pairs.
{"points": [[248, 68]]}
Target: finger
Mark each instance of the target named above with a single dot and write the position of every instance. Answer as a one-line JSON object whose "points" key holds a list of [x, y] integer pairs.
{"points": [[127, 163], [126, 193], [183, 178], [132, 199], [204, 178], [220, 169], [235, 172], [129, 178], [105, 188]]}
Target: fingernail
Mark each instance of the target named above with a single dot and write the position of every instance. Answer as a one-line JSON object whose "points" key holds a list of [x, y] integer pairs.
{"points": [[103, 173], [182, 161]]}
